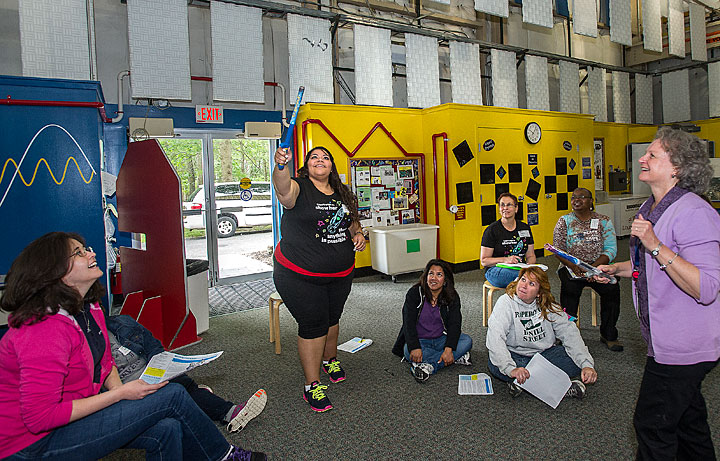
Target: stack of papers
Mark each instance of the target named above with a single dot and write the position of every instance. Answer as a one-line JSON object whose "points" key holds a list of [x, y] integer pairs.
{"points": [[477, 384], [355, 345]]}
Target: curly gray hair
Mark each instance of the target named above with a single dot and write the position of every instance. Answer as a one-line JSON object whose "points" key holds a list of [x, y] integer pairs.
{"points": [[689, 155]]}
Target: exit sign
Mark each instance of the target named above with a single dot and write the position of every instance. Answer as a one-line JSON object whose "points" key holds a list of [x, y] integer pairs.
{"points": [[209, 114]]}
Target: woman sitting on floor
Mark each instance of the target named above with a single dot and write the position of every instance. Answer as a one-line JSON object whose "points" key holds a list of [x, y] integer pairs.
{"points": [[430, 337], [55, 359], [526, 321]]}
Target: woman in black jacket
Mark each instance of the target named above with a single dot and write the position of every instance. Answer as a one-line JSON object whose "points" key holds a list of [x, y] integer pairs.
{"points": [[430, 337]]}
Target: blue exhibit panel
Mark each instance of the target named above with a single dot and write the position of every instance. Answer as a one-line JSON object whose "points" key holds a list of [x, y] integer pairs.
{"points": [[50, 165]]}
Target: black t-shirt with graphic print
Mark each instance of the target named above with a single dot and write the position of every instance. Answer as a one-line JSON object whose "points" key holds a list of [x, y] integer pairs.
{"points": [[506, 243], [315, 232]]}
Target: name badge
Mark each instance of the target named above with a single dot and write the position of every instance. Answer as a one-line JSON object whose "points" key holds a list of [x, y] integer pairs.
{"points": [[524, 233], [594, 223], [124, 350]]}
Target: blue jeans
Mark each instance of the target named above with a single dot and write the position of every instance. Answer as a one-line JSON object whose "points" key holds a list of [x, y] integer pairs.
{"points": [[500, 276], [432, 349], [555, 355], [167, 424]]}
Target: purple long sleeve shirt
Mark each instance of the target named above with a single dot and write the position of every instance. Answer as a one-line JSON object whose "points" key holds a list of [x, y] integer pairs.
{"points": [[683, 330]]}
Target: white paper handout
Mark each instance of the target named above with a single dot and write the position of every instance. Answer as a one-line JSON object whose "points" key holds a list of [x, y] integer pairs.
{"points": [[477, 384], [167, 365], [546, 382], [355, 344]]}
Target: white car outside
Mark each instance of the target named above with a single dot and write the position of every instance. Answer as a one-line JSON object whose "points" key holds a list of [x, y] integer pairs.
{"points": [[234, 207]]}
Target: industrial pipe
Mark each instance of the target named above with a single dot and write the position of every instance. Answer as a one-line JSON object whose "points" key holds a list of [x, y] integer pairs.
{"points": [[120, 111]]}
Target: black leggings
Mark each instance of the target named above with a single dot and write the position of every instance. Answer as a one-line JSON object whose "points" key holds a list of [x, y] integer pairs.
{"points": [[571, 290], [316, 303]]}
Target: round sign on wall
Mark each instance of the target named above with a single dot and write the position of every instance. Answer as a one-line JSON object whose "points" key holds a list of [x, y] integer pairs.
{"points": [[246, 195], [245, 183]]}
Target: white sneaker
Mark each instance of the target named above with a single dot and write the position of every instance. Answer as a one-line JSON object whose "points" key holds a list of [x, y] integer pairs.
{"points": [[464, 360], [253, 407], [421, 371]]}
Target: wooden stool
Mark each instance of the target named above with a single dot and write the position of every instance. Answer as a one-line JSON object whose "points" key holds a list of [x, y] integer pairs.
{"points": [[593, 303], [487, 294], [275, 302]]}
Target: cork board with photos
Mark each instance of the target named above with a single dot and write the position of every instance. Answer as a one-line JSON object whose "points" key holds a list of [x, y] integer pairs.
{"points": [[388, 191]]}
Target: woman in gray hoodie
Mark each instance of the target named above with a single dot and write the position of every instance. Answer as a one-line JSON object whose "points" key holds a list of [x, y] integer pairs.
{"points": [[526, 321]]}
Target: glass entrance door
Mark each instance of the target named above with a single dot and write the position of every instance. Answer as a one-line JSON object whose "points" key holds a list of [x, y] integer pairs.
{"points": [[244, 206], [229, 222]]}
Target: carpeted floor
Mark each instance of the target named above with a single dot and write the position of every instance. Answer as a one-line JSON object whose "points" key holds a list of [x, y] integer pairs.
{"points": [[382, 413]]}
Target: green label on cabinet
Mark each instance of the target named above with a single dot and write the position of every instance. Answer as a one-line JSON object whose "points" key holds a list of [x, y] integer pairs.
{"points": [[413, 246]]}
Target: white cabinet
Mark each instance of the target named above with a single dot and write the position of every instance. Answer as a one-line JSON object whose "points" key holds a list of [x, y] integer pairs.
{"points": [[625, 209]]}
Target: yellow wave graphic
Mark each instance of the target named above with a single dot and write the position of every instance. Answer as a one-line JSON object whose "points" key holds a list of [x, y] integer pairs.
{"points": [[42, 160]]}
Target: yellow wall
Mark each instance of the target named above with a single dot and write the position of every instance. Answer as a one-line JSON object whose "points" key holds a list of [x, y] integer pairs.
{"points": [[459, 240]]}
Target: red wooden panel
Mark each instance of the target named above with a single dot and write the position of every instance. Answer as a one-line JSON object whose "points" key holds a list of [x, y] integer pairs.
{"points": [[149, 202], [132, 304], [151, 317]]}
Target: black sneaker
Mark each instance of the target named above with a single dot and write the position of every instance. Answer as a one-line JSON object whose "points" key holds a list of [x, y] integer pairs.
{"points": [[316, 397], [577, 389], [238, 454], [464, 360], [421, 371], [514, 389], [334, 370]]}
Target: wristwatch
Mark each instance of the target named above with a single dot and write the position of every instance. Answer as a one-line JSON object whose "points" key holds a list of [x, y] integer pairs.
{"points": [[656, 251]]}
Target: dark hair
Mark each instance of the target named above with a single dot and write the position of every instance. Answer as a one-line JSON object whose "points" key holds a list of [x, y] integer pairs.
{"points": [[34, 288], [448, 293], [545, 298], [688, 154], [346, 195], [507, 194]]}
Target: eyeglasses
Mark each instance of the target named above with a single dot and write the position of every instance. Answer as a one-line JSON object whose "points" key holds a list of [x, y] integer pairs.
{"points": [[579, 197], [507, 205], [82, 251]]}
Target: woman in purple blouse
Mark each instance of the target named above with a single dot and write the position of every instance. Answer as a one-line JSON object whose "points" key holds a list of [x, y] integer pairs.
{"points": [[675, 270]]}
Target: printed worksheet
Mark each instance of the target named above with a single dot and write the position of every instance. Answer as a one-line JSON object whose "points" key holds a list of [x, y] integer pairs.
{"points": [[167, 365]]}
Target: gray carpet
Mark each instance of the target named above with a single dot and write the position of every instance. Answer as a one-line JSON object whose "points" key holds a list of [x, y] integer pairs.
{"points": [[382, 413]]}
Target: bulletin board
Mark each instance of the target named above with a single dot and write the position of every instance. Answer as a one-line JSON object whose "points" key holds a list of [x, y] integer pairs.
{"points": [[388, 191]]}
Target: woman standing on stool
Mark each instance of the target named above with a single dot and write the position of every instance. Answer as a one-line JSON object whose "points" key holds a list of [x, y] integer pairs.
{"points": [[675, 267], [591, 237], [507, 240], [314, 262]]}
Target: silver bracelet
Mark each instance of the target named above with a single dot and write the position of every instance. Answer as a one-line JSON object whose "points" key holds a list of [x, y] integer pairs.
{"points": [[664, 266]]}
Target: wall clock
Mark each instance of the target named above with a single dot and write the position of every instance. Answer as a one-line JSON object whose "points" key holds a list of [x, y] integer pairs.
{"points": [[533, 133]]}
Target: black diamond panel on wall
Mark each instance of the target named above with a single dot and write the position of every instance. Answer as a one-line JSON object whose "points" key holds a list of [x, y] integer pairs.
{"points": [[464, 192]]}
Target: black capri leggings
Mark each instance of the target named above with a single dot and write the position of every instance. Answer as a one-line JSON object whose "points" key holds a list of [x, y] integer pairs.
{"points": [[316, 303]]}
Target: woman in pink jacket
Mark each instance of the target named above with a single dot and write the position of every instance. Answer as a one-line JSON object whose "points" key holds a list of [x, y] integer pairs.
{"points": [[55, 359]]}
